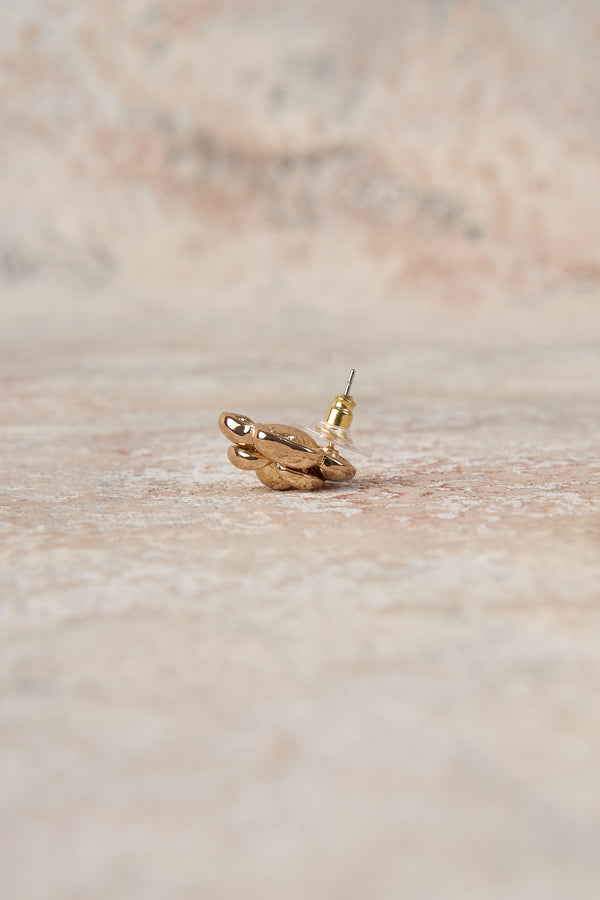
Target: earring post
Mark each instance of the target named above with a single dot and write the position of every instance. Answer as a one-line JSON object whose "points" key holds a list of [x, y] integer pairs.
{"points": [[350, 380]]}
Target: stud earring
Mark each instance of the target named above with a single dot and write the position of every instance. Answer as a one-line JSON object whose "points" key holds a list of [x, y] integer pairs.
{"points": [[284, 457]]}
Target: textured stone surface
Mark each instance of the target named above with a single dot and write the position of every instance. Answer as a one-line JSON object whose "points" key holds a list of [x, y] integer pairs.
{"points": [[384, 689]]}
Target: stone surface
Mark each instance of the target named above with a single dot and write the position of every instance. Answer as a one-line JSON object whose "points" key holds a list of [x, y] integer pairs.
{"points": [[386, 688]]}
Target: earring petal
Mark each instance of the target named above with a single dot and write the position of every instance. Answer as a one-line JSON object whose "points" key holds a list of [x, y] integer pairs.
{"points": [[334, 467], [302, 481], [272, 478], [237, 428], [242, 458], [290, 447]]}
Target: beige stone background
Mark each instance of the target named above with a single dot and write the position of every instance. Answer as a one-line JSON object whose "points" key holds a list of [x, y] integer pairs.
{"points": [[385, 690]]}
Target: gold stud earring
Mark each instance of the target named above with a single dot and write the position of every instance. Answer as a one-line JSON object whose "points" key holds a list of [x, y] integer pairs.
{"points": [[284, 457]]}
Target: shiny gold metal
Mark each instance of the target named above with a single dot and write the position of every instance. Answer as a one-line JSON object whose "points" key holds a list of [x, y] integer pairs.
{"points": [[287, 445], [238, 428], [302, 481], [338, 418], [334, 467], [284, 456], [242, 458], [272, 477]]}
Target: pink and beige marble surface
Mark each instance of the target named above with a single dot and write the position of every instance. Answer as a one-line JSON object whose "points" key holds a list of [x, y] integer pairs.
{"points": [[384, 690]]}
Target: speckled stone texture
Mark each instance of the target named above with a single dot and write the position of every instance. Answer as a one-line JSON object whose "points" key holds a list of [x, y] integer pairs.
{"points": [[383, 690]]}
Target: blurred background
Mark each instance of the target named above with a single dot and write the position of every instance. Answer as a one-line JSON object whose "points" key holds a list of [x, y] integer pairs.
{"points": [[346, 173], [387, 690]]}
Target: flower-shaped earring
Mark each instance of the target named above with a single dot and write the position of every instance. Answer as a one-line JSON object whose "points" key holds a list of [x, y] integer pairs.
{"points": [[284, 457]]}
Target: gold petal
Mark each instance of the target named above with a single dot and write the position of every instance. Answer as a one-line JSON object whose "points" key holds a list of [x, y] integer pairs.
{"points": [[335, 468], [237, 428], [288, 446], [302, 481], [271, 476], [245, 459]]}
